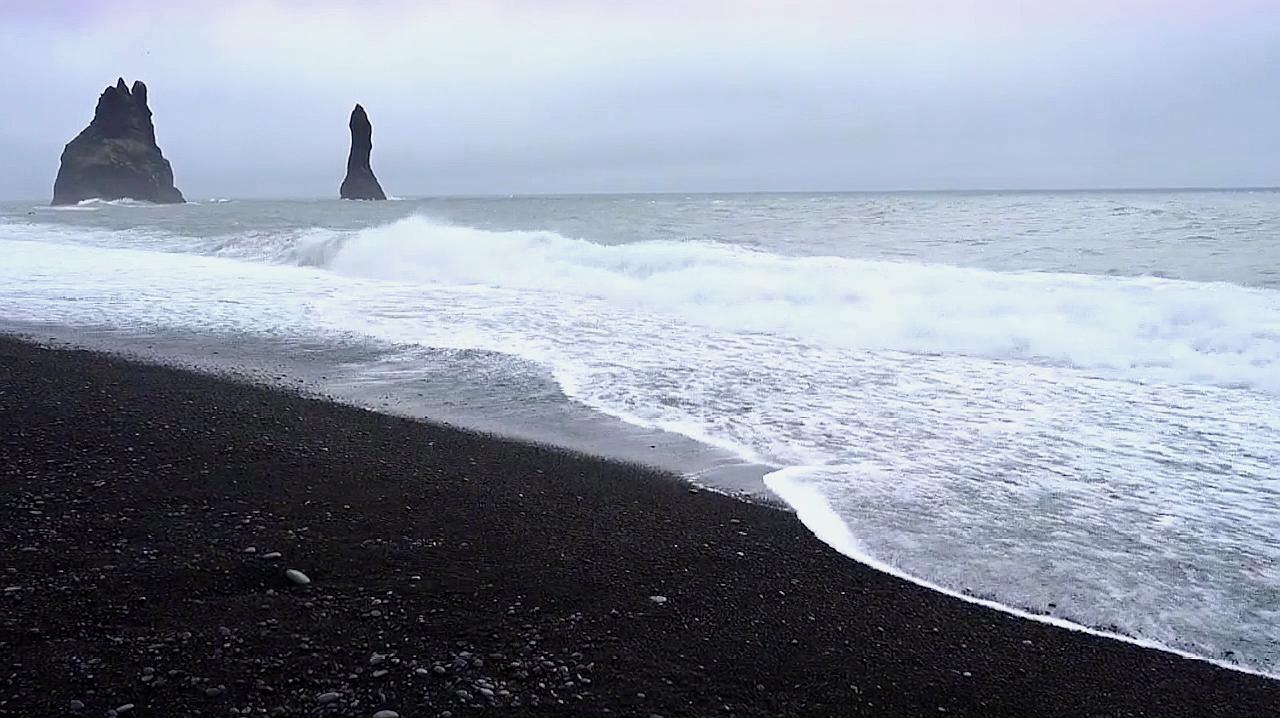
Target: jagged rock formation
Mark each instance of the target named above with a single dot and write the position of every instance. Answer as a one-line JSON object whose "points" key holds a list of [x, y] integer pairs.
{"points": [[116, 156], [360, 182]]}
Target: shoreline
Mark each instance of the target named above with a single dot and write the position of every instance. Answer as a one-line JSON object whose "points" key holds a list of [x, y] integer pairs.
{"points": [[840, 539], [524, 551], [263, 366], [563, 424]]}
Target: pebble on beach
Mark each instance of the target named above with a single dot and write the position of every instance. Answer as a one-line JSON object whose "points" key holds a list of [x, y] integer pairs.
{"points": [[297, 577]]}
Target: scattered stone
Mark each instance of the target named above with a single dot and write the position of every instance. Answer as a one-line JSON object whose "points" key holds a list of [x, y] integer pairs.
{"points": [[124, 708], [386, 714], [325, 699], [271, 556], [297, 577], [658, 599], [76, 705]]}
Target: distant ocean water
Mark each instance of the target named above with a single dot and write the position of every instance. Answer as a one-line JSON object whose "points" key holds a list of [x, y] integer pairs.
{"points": [[1068, 403]]}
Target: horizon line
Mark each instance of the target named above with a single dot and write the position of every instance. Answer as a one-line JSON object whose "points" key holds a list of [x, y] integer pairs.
{"points": [[666, 193]]}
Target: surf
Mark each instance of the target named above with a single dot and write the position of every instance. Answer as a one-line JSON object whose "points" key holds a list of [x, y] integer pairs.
{"points": [[1143, 328], [1072, 426]]}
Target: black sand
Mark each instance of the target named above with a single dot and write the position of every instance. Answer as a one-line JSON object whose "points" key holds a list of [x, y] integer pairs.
{"points": [[130, 494]]}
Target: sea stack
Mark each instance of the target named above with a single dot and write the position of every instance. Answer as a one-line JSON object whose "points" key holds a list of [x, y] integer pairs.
{"points": [[116, 156], [360, 182]]}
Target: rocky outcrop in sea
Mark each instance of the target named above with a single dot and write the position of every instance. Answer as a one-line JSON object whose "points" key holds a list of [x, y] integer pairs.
{"points": [[116, 156], [360, 182]]}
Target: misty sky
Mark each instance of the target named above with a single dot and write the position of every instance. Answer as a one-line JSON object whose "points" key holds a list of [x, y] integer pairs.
{"points": [[251, 99]]}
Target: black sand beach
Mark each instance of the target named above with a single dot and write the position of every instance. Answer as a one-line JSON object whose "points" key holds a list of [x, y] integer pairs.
{"points": [[141, 509]]}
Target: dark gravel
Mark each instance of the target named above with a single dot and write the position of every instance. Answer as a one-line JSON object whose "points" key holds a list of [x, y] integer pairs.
{"points": [[452, 573]]}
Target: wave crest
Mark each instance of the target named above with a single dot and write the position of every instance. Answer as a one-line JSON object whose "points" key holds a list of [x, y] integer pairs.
{"points": [[1139, 327]]}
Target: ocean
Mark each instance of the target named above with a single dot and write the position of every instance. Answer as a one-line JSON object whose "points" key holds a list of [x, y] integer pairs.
{"points": [[1064, 403]]}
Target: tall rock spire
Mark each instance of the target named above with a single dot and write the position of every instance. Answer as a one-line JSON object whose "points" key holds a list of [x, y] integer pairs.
{"points": [[116, 156], [360, 182]]}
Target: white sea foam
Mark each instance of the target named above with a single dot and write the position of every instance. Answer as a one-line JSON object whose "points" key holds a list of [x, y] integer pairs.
{"points": [[816, 514], [122, 202], [95, 204], [1142, 328], [1105, 445]]}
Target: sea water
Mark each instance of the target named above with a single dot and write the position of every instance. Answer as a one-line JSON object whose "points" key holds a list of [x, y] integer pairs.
{"points": [[1065, 403]]}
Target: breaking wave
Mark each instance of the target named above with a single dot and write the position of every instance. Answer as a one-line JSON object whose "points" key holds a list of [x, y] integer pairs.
{"points": [[1138, 327]]}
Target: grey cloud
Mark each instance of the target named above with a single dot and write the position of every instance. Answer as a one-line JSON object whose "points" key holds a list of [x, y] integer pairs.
{"points": [[253, 102]]}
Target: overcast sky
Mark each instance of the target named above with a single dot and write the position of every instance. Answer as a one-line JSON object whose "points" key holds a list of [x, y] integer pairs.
{"points": [[252, 99]]}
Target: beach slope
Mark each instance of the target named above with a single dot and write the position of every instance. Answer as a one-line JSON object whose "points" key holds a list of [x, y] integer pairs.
{"points": [[149, 517]]}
